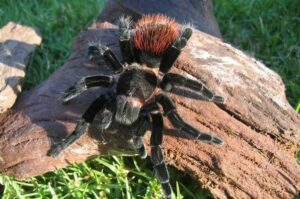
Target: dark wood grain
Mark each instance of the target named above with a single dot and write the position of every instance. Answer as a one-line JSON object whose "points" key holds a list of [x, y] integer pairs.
{"points": [[260, 129]]}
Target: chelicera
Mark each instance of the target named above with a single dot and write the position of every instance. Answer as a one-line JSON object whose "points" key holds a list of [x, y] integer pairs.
{"points": [[138, 95]]}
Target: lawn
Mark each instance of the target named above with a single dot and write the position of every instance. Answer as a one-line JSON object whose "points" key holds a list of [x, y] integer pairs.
{"points": [[269, 30]]}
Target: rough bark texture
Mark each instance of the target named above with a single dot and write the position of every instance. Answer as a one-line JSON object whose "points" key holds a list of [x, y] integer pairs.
{"points": [[260, 128], [17, 42]]}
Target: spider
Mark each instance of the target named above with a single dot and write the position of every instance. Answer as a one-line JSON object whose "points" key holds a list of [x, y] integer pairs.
{"points": [[138, 96]]}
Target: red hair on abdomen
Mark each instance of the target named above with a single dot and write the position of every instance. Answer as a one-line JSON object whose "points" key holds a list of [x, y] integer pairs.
{"points": [[155, 33]]}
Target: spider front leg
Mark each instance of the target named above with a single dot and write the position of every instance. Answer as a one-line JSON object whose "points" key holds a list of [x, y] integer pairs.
{"points": [[142, 126], [173, 52], [97, 51], [177, 121], [171, 79], [85, 83], [126, 39], [2, 189], [99, 106], [157, 155]]}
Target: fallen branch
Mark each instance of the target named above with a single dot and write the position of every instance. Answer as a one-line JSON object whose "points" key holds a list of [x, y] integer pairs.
{"points": [[17, 42], [260, 128]]}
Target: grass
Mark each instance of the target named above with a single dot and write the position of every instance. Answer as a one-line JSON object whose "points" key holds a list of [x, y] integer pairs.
{"points": [[269, 30], [250, 25], [58, 22]]}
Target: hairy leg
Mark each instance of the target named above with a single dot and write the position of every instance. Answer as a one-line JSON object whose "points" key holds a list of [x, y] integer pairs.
{"points": [[126, 39], [97, 51], [178, 122], [85, 83], [173, 52], [82, 126], [171, 79], [1, 190], [143, 125], [157, 155]]}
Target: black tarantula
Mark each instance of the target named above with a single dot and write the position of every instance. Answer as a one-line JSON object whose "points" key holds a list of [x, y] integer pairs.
{"points": [[138, 87]]}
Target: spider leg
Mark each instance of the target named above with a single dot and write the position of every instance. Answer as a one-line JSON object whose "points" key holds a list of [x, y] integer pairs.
{"points": [[171, 79], [2, 188], [157, 155], [85, 83], [178, 122], [95, 52], [104, 116], [173, 52], [82, 126], [142, 126], [126, 39]]}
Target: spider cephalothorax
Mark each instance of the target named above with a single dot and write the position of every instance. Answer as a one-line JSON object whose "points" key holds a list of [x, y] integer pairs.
{"points": [[138, 88]]}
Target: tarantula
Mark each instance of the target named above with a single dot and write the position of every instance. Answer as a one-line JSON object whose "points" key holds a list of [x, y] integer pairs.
{"points": [[138, 88]]}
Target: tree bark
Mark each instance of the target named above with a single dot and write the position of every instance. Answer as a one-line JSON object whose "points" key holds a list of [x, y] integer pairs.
{"points": [[17, 42], [260, 129]]}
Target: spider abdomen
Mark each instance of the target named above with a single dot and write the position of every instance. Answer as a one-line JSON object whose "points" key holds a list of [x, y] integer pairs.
{"points": [[155, 33]]}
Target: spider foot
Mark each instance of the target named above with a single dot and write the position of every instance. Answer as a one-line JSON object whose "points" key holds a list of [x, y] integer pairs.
{"points": [[139, 146], [142, 152], [72, 92], [187, 33], [210, 139], [161, 171], [218, 99], [167, 190], [2, 188], [217, 141], [163, 176], [125, 23], [55, 150], [96, 51], [103, 140], [182, 40], [80, 129]]}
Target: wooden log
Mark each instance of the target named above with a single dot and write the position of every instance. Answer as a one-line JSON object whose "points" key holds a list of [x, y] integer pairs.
{"points": [[17, 42], [260, 128]]}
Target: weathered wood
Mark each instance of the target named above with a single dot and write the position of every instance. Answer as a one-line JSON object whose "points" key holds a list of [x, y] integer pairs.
{"points": [[260, 128], [17, 42]]}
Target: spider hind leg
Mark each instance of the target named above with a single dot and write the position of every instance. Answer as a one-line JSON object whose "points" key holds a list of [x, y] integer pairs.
{"points": [[174, 51], [157, 157], [178, 122], [173, 79]]}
